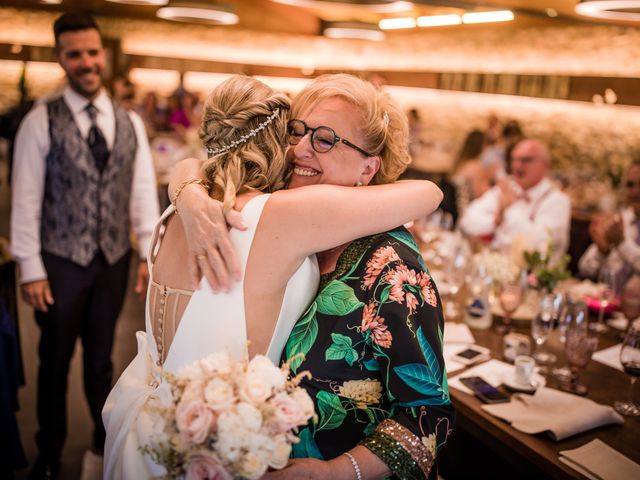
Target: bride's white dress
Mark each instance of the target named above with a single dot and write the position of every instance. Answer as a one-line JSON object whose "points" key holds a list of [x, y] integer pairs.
{"points": [[211, 322]]}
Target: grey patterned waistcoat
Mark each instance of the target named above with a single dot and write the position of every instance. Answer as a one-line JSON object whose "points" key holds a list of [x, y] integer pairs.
{"points": [[83, 211]]}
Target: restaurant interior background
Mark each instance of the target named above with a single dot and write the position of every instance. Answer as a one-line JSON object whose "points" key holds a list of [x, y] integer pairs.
{"points": [[569, 79]]}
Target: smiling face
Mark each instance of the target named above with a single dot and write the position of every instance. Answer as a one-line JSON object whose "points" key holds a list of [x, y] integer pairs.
{"points": [[530, 163], [342, 165], [632, 187], [82, 57]]}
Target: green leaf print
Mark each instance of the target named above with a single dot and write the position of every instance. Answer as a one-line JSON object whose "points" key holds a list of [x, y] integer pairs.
{"points": [[432, 362], [407, 239], [384, 296], [372, 365], [419, 377], [330, 410], [306, 447], [302, 337], [341, 348], [338, 299]]}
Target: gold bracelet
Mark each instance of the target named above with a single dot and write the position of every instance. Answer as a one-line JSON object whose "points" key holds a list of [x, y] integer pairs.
{"points": [[178, 191]]}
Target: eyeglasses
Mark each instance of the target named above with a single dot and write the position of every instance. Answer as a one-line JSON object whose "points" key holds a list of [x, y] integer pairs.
{"points": [[323, 138], [632, 183]]}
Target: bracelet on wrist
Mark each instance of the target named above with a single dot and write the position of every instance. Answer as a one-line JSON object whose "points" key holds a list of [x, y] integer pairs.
{"points": [[178, 191], [354, 462]]}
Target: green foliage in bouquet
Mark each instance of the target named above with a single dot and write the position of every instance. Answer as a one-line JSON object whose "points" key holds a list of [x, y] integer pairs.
{"points": [[543, 275]]}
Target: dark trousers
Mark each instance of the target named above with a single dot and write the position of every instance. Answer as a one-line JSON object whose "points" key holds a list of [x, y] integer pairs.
{"points": [[88, 301]]}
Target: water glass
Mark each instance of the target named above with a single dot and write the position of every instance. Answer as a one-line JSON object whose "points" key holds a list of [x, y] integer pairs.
{"points": [[581, 341], [542, 325]]}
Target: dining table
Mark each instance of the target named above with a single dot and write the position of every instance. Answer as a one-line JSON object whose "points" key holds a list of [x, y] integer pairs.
{"points": [[483, 446]]}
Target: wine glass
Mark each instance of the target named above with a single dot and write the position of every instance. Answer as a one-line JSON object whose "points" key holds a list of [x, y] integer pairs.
{"points": [[610, 288], [581, 341], [455, 276], [510, 293], [542, 324], [630, 299], [630, 359]]}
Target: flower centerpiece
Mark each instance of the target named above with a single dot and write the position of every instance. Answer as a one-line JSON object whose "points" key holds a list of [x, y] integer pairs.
{"points": [[228, 419], [544, 275]]}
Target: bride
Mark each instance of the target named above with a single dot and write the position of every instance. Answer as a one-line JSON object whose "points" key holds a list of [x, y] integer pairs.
{"points": [[244, 129]]}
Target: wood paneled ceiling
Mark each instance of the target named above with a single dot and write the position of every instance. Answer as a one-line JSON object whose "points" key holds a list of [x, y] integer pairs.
{"points": [[266, 15]]}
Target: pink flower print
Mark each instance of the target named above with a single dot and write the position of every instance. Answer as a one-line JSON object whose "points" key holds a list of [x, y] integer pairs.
{"points": [[427, 290], [371, 322], [378, 261], [412, 302], [397, 278]]}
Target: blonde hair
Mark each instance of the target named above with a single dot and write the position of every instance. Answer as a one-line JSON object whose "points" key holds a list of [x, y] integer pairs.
{"points": [[235, 108], [384, 125]]}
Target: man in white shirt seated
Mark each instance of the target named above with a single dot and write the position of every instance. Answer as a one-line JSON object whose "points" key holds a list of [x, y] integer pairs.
{"points": [[525, 205], [616, 237]]}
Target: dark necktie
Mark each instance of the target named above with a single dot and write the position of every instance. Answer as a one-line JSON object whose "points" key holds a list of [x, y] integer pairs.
{"points": [[96, 140]]}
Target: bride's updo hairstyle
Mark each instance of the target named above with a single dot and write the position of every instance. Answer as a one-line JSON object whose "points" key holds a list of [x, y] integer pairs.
{"points": [[383, 124], [244, 129]]}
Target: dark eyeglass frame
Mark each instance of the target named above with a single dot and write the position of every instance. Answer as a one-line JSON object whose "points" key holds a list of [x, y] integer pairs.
{"points": [[295, 139], [632, 183]]}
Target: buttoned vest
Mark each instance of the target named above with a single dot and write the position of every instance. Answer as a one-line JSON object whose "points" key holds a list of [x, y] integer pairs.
{"points": [[85, 211]]}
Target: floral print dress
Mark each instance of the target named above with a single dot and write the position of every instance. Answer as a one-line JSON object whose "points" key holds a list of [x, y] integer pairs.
{"points": [[372, 341]]}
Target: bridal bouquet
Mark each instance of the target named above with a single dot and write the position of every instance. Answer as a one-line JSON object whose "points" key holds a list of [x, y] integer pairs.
{"points": [[228, 419]]}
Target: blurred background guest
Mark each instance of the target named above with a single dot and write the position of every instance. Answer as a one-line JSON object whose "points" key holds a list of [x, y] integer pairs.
{"points": [[123, 91], [470, 177], [616, 236], [525, 205]]}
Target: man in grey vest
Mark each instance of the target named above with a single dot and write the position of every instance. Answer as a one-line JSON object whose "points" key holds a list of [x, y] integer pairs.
{"points": [[83, 174]]}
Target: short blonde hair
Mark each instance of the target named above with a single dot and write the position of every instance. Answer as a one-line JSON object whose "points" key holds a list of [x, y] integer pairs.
{"points": [[234, 108], [384, 125]]}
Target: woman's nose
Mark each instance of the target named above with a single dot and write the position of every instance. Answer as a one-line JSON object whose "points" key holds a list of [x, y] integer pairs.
{"points": [[304, 147]]}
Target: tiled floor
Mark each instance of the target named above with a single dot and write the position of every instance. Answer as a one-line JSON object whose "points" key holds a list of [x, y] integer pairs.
{"points": [[79, 422]]}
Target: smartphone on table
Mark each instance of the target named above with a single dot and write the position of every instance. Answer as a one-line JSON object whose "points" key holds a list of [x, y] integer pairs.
{"points": [[484, 390]]}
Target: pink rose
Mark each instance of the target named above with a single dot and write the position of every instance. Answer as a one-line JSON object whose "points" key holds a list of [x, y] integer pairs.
{"points": [[533, 280], [205, 466], [287, 413], [194, 420]]}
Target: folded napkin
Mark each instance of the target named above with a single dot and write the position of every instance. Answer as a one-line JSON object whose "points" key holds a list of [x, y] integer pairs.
{"points": [[492, 372], [598, 461], [609, 356], [457, 333], [561, 414]]}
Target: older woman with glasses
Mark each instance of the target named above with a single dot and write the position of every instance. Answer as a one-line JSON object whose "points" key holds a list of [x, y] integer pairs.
{"points": [[372, 337]]}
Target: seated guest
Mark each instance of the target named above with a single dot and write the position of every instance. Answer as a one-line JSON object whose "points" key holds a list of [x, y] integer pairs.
{"points": [[616, 237], [525, 205]]}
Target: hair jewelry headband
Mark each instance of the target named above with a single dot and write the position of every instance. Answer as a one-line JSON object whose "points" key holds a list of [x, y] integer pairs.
{"points": [[244, 138]]}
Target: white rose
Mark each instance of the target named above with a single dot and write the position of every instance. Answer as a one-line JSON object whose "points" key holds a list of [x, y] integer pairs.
{"points": [[287, 413], [252, 466], [261, 366], [194, 420], [216, 364], [280, 451], [219, 395], [193, 391], [254, 389], [303, 399], [250, 416], [192, 372]]}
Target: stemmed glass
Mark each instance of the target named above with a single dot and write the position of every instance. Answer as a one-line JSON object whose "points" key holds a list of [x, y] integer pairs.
{"points": [[630, 359], [542, 324], [511, 292], [455, 277], [610, 288], [581, 341], [630, 299]]}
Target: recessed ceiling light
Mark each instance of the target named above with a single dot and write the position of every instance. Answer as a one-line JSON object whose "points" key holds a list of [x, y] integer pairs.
{"points": [[438, 20], [611, 9], [485, 17], [397, 23], [381, 6], [141, 2], [551, 12], [198, 12], [354, 30], [51, 2]]}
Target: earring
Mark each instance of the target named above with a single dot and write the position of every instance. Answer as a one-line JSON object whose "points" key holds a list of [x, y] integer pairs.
{"points": [[359, 184]]}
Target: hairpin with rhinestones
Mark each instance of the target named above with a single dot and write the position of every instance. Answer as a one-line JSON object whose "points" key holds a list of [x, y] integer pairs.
{"points": [[385, 118], [217, 151]]}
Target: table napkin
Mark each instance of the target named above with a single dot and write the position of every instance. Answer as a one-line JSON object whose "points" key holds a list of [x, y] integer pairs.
{"points": [[598, 461], [457, 333], [492, 371], [609, 356], [560, 414]]}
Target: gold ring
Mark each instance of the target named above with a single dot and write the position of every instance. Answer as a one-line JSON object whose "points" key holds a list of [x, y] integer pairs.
{"points": [[202, 256]]}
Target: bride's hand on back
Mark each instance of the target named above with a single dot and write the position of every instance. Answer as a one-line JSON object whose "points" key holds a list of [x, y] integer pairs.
{"points": [[206, 227], [302, 469]]}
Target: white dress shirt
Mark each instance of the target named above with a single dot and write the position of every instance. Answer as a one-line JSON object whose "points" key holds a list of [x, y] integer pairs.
{"points": [[545, 214], [29, 170], [628, 252]]}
